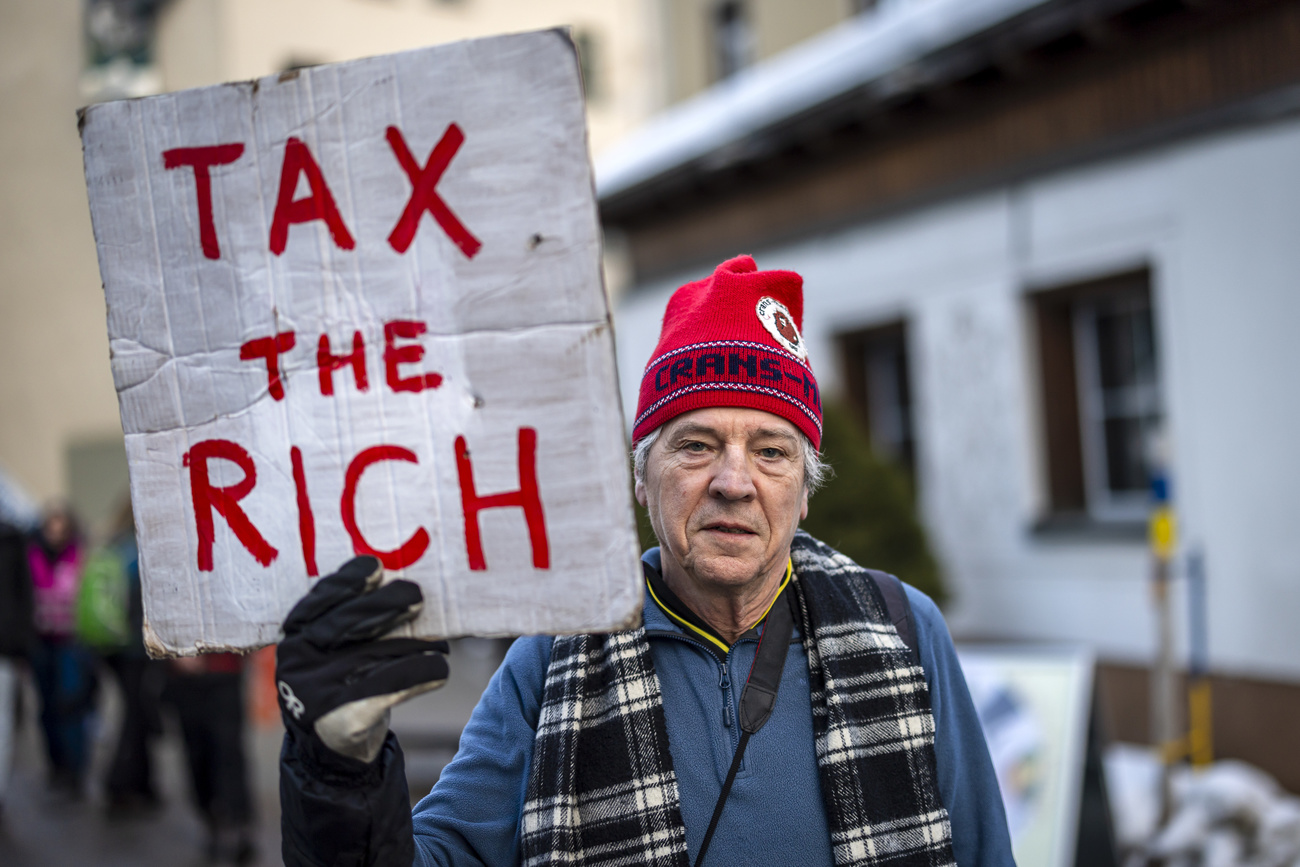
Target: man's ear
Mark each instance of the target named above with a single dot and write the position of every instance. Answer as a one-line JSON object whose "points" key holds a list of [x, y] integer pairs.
{"points": [[803, 508], [639, 490]]}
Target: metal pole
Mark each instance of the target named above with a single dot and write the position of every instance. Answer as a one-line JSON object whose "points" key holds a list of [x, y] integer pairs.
{"points": [[1165, 728], [1200, 732]]}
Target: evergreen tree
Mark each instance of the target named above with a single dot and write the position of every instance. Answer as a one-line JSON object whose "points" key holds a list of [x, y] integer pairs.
{"points": [[867, 511]]}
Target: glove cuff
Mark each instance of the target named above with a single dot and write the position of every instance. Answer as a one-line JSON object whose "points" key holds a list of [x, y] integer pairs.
{"points": [[332, 768]]}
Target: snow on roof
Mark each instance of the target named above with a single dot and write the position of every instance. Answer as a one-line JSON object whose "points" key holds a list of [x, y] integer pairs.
{"points": [[857, 51]]}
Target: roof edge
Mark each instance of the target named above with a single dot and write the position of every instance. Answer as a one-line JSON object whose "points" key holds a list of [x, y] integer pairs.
{"points": [[847, 56]]}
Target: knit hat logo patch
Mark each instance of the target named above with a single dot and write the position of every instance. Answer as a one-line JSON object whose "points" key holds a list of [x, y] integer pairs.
{"points": [[780, 324]]}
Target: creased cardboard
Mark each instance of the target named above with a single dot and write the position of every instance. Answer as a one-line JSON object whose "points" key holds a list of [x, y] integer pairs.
{"points": [[359, 309]]}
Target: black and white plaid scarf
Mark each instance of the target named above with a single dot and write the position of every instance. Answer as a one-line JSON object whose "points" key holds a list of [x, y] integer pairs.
{"points": [[602, 789]]}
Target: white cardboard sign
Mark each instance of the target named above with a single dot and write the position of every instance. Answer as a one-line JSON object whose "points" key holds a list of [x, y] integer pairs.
{"points": [[358, 308]]}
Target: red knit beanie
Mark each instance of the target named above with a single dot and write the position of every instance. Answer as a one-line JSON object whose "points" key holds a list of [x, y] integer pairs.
{"points": [[733, 340]]}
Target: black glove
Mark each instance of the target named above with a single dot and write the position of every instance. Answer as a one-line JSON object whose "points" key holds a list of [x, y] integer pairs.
{"points": [[337, 681]]}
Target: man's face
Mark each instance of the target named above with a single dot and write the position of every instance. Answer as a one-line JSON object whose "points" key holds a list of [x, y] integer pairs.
{"points": [[725, 490]]}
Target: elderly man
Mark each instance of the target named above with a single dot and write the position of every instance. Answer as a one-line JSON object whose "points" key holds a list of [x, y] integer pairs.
{"points": [[779, 705]]}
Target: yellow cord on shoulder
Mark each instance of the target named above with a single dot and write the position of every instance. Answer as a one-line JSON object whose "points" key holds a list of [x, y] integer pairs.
{"points": [[713, 639]]}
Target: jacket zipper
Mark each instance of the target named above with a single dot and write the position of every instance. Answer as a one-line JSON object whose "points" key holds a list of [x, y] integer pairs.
{"points": [[724, 683], [724, 675]]}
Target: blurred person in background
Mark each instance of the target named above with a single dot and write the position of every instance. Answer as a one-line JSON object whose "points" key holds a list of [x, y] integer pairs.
{"points": [[63, 668], [208, 694], [129, 786], [16, 637]]}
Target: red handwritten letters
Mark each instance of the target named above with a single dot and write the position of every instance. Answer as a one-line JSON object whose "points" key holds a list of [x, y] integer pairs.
{"points": [[405, 329], [402, 359], [329, 362], [410, 550], [224, 501], [526, 498], [268, 350], [399, 351], [320, 204], [424, 196], [208, 499], [202, 159]]}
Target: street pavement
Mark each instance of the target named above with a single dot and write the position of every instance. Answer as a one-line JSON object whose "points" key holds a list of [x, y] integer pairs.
{"points": [[39, 829]]}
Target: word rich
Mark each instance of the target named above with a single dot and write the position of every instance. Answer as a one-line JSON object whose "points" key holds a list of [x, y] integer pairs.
{"points": [[319, 204], [210, 500]]}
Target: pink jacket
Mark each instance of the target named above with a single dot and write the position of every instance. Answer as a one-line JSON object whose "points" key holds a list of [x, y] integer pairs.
{"points": [[55, 589]]}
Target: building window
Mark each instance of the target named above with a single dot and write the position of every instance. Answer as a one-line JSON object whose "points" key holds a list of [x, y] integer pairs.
{"points": [[733, 38], [119, 37], [878, 384], [1101, 396]]}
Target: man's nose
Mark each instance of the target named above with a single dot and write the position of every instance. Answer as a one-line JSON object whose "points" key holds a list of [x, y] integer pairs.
{"points": [[734, 477]]}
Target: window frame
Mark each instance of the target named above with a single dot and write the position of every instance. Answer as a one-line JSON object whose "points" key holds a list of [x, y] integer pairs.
{"points": [[856, 350], [733, 41], [1072, 411], [1105, 503]]}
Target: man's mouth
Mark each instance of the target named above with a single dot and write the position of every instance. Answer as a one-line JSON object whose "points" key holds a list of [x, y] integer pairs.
{"points": [[730, 529]]}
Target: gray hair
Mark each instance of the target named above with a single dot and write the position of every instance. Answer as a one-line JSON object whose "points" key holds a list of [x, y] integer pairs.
{"points": [[815, 470]]}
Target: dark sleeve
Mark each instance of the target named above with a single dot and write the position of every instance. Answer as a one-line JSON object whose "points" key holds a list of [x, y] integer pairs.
{"points": [[340, 812], [967, 781], [17, 631]]}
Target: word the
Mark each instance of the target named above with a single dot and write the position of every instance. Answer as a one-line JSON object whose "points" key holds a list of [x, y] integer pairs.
{"points": [[269, 349]]}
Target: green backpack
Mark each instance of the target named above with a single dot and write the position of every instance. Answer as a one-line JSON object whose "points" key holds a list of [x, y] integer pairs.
{"points": [[100, 614]]}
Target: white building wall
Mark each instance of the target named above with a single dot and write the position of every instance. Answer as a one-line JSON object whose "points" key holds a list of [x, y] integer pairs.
{"points": [[1216, 219], [55, 385]]}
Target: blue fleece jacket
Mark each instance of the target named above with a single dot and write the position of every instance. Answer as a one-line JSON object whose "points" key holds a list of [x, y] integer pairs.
{"points": [[774, 814]]}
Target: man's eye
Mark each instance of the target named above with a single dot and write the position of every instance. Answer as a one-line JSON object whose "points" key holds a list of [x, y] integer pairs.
{"points": [[696, 447], [771, 453]]}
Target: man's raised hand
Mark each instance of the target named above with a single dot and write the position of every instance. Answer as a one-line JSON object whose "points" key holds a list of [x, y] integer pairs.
{"points": [[338, 679]]}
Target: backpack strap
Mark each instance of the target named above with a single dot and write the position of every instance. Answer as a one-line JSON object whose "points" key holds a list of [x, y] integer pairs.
{"points": [[898, 608]]}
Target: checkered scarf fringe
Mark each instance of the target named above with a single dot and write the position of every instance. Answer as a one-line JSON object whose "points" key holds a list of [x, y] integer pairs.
{"points": [[602, 789]]}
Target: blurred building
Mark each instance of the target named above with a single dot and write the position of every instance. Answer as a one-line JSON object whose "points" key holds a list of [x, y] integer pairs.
{"points": [[1049, 247], [706, 41], [59, 428]]}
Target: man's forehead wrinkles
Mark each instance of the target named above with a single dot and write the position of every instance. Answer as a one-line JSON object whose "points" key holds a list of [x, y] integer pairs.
{"points": [[695, 428], [773, 433], [687, 428]]}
